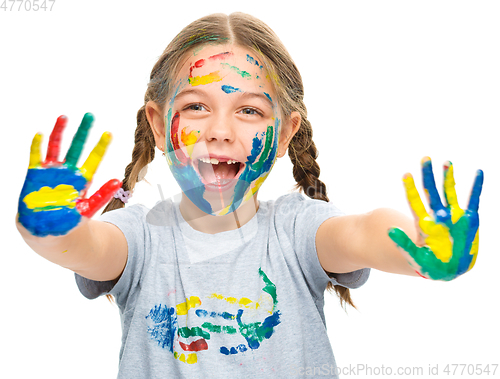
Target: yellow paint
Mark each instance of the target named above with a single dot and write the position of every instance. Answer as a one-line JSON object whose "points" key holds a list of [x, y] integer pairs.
{"points": [[244, 302], [192, 302], [63, 195], [35, 153], [95, 157], [65, 251], [437, 236], [474, 250], [189, 140], [451, 196], [192, 358], [205, 79]]}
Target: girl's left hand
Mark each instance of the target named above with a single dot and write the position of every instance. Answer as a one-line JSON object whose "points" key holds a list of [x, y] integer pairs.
{"points": [[448, 242]]}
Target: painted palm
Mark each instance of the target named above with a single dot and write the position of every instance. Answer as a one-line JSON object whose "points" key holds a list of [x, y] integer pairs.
{"points": [[450, 236], [52, 200]]}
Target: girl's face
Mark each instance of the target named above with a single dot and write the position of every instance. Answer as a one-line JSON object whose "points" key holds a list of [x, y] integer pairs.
{"points": [[222, 127]]}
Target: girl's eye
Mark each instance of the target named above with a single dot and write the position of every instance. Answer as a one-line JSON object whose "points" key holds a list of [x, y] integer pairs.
{"points": [[195, 107], [250, 111]]}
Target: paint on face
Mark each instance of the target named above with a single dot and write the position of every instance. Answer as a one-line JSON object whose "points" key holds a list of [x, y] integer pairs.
{"points": [[168, 335], [181, 141], [253, 61], [229, 89], [243, 74], [451, 236]]}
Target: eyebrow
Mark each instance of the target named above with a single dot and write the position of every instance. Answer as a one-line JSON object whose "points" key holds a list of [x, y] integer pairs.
{"points": [[261, 95]]}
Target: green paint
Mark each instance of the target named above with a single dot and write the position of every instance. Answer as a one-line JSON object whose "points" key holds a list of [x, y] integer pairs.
{"points": [[218, 328], [243, 74], [200, 38], [430, 266], [79, 139], [267, 147], [195, 331], [270, 288]]}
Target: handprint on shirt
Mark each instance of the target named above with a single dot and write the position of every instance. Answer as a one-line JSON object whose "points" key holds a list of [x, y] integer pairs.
{"points": [[450, 238], [52, 199], [171, 330]]}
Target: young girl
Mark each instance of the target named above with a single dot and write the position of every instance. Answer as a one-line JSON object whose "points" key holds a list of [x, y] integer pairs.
{"points": [[222, 284]]}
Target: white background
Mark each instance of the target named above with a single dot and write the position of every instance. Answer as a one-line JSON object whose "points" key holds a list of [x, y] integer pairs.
{"points": [[387, 82]]}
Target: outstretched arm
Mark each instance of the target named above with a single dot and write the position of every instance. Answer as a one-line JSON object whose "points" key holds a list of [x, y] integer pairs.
{"points": [[54, 214], [440, 247]]}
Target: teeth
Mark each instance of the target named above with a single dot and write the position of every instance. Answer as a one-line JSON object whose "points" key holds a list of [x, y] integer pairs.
{"points": [[215, 160]]}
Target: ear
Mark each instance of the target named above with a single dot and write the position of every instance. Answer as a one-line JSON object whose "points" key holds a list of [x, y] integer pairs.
{"points": [[154, 114], [288, 130]]}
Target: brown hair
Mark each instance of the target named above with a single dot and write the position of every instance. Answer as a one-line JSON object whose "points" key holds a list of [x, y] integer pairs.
{"points": [[249, 32]]}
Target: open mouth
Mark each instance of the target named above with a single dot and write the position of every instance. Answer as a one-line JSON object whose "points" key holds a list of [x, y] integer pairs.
{"points": [[218, 174]]}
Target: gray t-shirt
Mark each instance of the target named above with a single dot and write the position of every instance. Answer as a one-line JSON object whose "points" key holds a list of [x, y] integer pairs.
{"points": [[244, 303]]}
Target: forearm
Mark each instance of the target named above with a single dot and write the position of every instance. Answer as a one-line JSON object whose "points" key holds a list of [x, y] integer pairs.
{"points": [[376, 249], [349, 243], [71, 250]]}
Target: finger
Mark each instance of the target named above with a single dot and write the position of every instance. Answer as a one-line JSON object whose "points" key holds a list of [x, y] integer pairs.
{"points": [[476, 192], [450, 193], [55, 140], [403, 241], [35, 153], [79, 140], [88, 207], [430, 186], [414, 199], [95, 157]]}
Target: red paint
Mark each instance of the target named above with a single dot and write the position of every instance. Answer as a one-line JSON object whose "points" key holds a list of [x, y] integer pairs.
{"points": [[197, 345], [88, 207], [197, 64], [221, 56], [420, 274], [174, 137], [55, 141], [201, 62]]}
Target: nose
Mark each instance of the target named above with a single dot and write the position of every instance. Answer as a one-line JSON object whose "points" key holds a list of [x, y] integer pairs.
{"points": [[220, 129]]}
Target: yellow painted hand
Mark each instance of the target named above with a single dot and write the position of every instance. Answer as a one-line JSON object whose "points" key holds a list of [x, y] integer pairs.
{"points": [[450, 237]]}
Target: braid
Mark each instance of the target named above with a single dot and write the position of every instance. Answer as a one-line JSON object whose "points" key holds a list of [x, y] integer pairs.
{"points": [[303, 154], [142, 154]]}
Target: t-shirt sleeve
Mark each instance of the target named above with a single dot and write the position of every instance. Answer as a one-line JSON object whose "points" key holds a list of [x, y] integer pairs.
{"points": [[302, 217], [130, 221]]}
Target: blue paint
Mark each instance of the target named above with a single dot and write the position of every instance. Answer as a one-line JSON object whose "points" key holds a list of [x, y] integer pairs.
{"points": [[233, 350], [224, 315], [269, 97], [476, 192], [54, 222], [253, 61], [165, 329], [230, 89], [436, 205]]}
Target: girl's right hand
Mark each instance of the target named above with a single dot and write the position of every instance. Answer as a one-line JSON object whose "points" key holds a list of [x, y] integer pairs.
{"points": [[52, 201]]}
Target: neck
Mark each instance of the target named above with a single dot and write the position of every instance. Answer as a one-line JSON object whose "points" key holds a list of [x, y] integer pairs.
{"points": [[209, 224]]}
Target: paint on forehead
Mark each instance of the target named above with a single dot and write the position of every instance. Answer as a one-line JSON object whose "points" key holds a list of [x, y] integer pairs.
{"points": [[253, 61], [205, 79], [269, 97], [243, 74], [230, 89], [199, 63]]}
